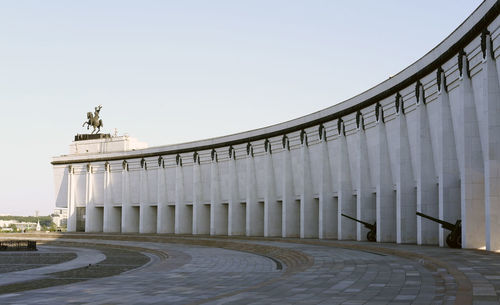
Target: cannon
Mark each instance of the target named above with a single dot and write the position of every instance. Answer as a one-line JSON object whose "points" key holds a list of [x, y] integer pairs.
{"points": [[454, 239], [372, 234]]}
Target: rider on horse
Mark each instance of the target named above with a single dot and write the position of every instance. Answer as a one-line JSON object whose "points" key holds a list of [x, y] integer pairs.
{"points": [[93, 120], [96, 112]]}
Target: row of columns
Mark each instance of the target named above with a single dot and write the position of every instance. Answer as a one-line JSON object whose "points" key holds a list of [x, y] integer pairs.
{"points": [[467, 188]]}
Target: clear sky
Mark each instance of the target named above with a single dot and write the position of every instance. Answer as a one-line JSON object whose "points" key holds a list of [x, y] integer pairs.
{"points": [[175, 71]]}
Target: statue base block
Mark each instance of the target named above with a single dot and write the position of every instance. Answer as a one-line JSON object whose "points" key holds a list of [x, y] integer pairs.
{"points": [[103, 143], [84, 137]]}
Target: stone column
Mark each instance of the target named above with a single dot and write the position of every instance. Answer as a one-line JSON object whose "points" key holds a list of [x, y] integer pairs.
{"points": [[201, 217], [162, 224], [346, 227], [183, 219], [147, 218], [406, 198], [218, 214], [91, 213], [236, 211], [71, 224], [385, 199], [290, 209], [327, 211], [111, 215], [309, 212], [491, 150], [365, 205], [254, 217], [129, 222], [427, 188], [472, 166], [449, 175], [272, 212]]}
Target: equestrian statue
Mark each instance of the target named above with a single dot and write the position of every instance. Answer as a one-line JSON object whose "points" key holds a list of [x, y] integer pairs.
{"points": [[94, 120]]}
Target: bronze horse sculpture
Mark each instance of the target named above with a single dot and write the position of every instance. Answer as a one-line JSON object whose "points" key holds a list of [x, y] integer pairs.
{"points": [[94, 120]]}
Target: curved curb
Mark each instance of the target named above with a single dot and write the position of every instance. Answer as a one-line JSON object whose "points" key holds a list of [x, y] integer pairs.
{"points": [[40, 281], [84, 258]]}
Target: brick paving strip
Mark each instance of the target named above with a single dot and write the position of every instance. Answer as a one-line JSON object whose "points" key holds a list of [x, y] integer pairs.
{"points": [[464, 286], [294, 261], [464, 292], [440, 262], [457, 266], [297, 261]]}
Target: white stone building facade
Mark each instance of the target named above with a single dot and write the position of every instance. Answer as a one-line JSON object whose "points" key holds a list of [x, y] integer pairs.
{"points": [[60, 217], [427, 140], [19, 225]]}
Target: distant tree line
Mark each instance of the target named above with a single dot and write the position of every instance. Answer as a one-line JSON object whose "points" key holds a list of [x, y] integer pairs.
{"points": [[45, 221]]}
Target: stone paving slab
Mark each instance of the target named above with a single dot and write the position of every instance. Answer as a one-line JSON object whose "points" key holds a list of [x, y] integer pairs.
{"points": [[342, 276], [200, 273], [315, 272]]}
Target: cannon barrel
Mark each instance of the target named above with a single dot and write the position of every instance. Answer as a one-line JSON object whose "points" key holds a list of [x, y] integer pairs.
{"points": [[366, 224], [446, 225], [454, 239], [372, 234]]}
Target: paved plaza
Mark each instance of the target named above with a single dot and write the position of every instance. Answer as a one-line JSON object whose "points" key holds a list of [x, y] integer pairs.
{"points": [[206, 270]]}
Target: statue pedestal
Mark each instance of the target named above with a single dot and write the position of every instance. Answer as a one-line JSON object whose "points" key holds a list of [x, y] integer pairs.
{"points": [[103, 143], [84, 137]]}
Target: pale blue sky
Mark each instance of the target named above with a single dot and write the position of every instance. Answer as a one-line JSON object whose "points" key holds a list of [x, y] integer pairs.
{"points": [[175, 71]]}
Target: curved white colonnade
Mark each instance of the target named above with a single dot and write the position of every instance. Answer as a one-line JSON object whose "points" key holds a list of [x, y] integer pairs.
{"points": [[427, 139]]}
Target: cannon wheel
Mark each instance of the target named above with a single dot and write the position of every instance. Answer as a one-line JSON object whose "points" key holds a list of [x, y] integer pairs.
{"points": [[371, 236], [454, 241]]}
